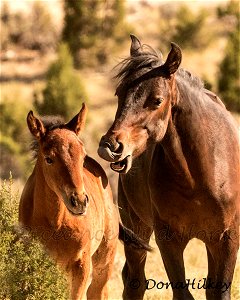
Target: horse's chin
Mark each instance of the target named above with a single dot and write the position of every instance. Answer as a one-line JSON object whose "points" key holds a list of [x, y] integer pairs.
{"points": [[122, 166]]}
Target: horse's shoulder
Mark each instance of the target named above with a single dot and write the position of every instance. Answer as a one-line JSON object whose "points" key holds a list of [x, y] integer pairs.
{"points": [[96, 169]]}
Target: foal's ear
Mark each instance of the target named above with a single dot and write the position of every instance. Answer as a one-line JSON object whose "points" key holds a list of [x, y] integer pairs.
{"points": [[173, 60], [35, 126], [136, 46], [78, 122]]}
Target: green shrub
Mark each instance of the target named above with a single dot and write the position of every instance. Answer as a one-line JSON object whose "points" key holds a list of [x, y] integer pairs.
{"points": [[229, 76], [92, 28], [64, 91], [190, 30], [26, 271], [13, 142]]}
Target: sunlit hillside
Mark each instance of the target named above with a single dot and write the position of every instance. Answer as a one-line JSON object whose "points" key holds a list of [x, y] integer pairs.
{"points": [[23, 73]]}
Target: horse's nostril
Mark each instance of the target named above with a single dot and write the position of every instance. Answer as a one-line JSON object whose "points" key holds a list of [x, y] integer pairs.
{"points": [[119, 149], [116, 147], [108, 145]]}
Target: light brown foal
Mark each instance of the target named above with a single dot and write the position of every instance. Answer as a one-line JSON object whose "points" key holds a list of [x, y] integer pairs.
{"points": [[67, 203]]}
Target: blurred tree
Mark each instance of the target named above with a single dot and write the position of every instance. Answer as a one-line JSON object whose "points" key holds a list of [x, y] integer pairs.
{"points": [[13, 133], [13, 26], [166, 24], [5, 15], [64, 91], [80, 26], [190, 28], [40, 32], [34, 31], [231, 9], [89, 24], [229, 69], [113, 31]]}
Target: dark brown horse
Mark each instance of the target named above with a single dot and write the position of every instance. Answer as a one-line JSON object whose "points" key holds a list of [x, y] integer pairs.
{"points": [[67, 203], [177, 151]]}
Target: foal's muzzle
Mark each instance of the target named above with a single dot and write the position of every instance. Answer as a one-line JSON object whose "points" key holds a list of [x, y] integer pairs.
{"points": [[77, 204]]}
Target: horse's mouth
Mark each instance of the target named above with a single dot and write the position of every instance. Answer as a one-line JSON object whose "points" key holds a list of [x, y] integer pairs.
{"points": [[122, 166]]}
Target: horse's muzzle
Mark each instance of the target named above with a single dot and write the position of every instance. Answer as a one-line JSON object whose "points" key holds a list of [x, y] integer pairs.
{"points": [[110, 151], [113, 151]]}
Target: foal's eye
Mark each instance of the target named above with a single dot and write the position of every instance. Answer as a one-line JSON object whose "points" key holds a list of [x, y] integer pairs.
{"points": [[49, 161], [158, 101]]}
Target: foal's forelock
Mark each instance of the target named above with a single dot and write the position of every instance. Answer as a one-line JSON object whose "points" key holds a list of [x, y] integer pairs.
{"points": [[50, 123]]}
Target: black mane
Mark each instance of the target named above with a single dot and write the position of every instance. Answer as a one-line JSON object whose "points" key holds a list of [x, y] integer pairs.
{"points": [[150, 59]]}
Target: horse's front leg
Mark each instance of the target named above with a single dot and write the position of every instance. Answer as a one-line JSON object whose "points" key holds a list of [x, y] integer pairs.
{"points": [[171, 248], [133, 274], [222, 256], [80, 271]]}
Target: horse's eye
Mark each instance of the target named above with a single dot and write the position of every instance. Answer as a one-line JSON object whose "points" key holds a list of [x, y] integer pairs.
{"points": [[49, 161], [158, 101]]}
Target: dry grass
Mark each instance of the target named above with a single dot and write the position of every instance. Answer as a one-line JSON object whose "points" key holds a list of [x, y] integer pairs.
{"points": [[195, 264]]}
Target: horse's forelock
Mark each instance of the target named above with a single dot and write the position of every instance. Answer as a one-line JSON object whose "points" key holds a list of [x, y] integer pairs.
{"points": [[150, 58]]}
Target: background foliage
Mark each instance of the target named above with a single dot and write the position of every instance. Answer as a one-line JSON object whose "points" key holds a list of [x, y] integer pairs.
{"points": [[229, 69], [13, 138], [90, 26], [23, 30], [64, 91], [26, 271]]}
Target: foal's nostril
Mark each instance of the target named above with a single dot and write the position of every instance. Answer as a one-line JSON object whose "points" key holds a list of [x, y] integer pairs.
{"points": [[74, 201], [86, 200]]}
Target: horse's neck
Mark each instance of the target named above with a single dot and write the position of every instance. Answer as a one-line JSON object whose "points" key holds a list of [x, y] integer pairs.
{"points": [[175, 156], [47, 205], [179, 136], [188, 133]]}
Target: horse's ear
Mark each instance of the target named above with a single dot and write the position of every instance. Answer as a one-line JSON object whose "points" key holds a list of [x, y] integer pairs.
{"points": [[35, 126], [173, 60], [136, 47], [78, 122]]}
